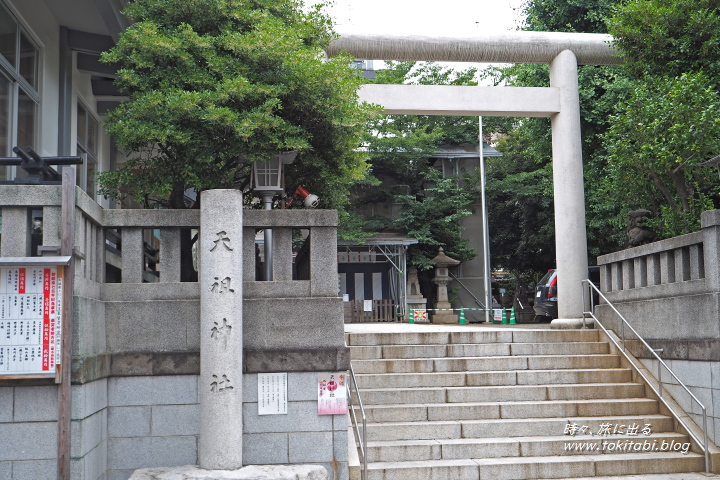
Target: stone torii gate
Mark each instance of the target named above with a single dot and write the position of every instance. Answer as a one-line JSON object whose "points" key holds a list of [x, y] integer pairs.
{"points": [[560, 102]]}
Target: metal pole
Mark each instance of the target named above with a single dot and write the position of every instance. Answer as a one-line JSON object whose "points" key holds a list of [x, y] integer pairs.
{"points": [[267, 246], [486, 232]]}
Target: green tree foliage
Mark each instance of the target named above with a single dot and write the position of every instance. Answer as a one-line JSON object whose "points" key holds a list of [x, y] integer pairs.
{"points": [[216, 84], [668, 124], [669, 37], [664, 130], [520, 189], [430, 207]]}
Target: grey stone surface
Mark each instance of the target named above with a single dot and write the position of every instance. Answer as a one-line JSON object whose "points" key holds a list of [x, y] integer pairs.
{"points": [[251, 472], [35, 404], [34, 470], [249, 255], [169, 255], [695, 374], [30, 441], [164, 390], [318, 359], [150, 218], [51, 227], [311, 447], [301, 417], [657, 318], [90, 368], [293, 323], [221, 329], [292, 218], [338, 470], [168, 331], [340, 446], [129, 421], [5, 470], [144, 452], [278, 289], [282, 254], [301, 386], [175, 420], [121, 474], [88, 433], [15, 232], [323, 263], [94, 464], [340, 422], [132, 258], [265, 448], [89, 398], [160, 363], [125, 292], [89, 336], [30, 195], [6, 401]]}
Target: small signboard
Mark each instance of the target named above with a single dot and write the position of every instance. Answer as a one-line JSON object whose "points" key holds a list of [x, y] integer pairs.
{"points": [[421, 316], [30, 319], [498, 315], [367, 306], [272, 394], [332, 393]]}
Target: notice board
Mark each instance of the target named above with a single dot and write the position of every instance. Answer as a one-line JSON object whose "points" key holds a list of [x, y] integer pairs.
{"points": [[30, 319]]}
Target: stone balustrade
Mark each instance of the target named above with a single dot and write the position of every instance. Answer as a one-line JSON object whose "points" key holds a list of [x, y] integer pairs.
{"points": [[669, 289]]}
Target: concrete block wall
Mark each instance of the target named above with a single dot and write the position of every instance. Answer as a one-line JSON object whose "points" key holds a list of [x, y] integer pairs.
{"points": [[28, 426], [89, 434], [703, 379], [154, 422]]}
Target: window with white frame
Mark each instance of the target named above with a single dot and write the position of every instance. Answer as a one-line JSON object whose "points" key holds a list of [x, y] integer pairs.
{"points": [[87, 144], [19, 97]]}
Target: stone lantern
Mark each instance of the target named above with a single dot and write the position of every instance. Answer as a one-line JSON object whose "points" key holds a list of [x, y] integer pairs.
{"points": [[442, 277]]}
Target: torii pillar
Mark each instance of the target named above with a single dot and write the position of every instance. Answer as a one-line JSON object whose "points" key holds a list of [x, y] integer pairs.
{"points": [[570, 234]]}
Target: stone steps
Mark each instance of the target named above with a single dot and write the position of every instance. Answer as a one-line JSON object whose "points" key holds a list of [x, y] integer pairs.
{"points": [[480, 364], [545, 467], [511, 393], [494, 378], [507, 410], [505, 427], [460, 448], [376, 352], [497, 404]]}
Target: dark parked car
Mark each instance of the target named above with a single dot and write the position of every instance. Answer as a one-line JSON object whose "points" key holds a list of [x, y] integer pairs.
{"points": [[546, 293]]}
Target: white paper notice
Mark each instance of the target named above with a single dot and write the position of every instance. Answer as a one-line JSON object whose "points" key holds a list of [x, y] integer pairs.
{"points": [[30, 320], [272, 393], [332, 393]]}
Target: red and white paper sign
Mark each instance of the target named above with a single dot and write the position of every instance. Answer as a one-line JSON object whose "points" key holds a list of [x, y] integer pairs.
{"points": [[30, 320], [332, 393]]}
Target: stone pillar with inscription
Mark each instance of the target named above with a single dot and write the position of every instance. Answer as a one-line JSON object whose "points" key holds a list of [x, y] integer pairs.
{"points": [[221, 341]]}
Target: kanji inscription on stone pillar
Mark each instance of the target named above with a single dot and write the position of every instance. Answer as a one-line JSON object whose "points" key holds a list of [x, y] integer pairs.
{"points": [[220, 387]]}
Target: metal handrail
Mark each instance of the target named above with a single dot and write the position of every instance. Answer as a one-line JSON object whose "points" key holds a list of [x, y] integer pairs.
{"points": [[661, 363], [477, 300], [361, 439]]}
